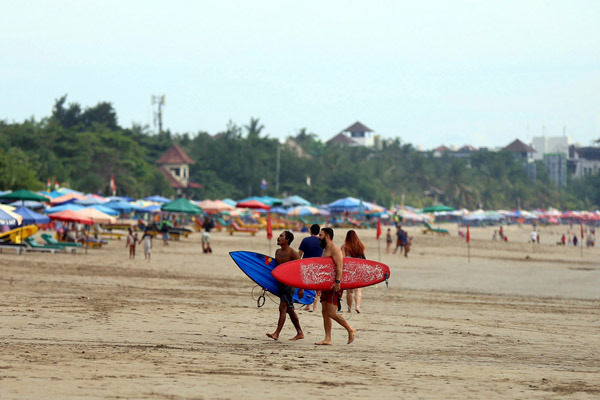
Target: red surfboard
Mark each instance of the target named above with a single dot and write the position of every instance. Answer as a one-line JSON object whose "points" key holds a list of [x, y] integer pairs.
{"points": [[319, 273]]}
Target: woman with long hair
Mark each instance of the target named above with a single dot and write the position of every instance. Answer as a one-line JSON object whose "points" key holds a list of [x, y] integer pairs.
{"points": [[354, 248]]}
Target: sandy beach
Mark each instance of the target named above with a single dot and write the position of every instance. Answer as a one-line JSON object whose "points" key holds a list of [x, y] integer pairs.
{"points": [[519, 321]]}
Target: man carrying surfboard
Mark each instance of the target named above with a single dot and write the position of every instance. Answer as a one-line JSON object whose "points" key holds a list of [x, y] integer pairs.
{"points": [[330, 299], [286, 293]]}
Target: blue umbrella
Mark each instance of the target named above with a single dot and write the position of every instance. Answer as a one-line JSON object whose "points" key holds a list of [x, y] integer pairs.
{"points": [[121, 206], [90, 201], [278, 210], [106, 210], [7, 219], [31, 217], [150, 209], [28, 204], [158, 199], [350, 204], [68, 206], [119, 198], [230, 202]]}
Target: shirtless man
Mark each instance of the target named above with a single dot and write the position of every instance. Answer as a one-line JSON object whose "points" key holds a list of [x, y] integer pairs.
{"points": [[330, 299], [286, 304]]}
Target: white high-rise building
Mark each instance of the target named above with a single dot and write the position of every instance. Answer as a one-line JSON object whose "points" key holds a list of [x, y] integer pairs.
{"points": [[550, 145]]}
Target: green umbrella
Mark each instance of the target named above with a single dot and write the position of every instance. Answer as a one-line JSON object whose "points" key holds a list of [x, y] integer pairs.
{"points": [[24, 194], [437, 208], [181, 205]]}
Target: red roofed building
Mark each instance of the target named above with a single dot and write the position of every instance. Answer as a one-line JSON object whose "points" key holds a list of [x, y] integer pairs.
{"points": [[175, 166]]}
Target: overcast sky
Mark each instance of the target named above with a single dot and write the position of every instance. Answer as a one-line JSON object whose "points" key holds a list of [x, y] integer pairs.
{"points": [[430, 72]]}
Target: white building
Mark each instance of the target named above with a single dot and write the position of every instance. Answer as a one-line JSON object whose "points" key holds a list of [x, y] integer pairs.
{"points": [[550, 145]]}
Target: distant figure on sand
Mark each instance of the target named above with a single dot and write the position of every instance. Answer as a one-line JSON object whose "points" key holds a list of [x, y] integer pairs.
{"points": [[207, 224], [131, 241], [388, 241], [147, 241], [309, 248], [330, 299], [400, 239], [354, 248], [286, 304]]}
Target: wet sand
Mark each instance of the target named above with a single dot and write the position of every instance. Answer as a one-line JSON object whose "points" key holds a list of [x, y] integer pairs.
{"points": [[517, 321]]}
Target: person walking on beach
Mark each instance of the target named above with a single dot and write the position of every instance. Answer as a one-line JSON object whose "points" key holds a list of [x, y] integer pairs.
{"points": [[354, 248], [131, 241], [164, 229], [399, 239], [207, 224], [310, 248], [330, 299], [286, 304], [388, 241], [147, 241]]}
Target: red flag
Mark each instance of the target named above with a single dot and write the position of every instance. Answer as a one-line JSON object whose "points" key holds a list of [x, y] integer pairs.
{"points": [[582, 230], [269, 227], [378, 227], [468, 234]]}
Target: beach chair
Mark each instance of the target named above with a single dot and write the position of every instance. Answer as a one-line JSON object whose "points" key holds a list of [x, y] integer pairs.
{"points": [[236, 228], [32, 245], [50, 241], [17, 247], [429, 228]]}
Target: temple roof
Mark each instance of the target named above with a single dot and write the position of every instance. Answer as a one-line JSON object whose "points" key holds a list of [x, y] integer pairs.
{"points": [[175, 155]]}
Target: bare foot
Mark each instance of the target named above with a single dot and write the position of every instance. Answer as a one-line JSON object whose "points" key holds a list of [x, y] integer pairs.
{"points": [[358, 311], [324, 343], [273, 336], [298, 337], [351, 336]]}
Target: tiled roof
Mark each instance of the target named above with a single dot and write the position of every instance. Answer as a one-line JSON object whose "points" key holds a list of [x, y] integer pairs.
{"points": [[519, 147], [341, 138], [357, 127], [175, 156], [441, 148]]}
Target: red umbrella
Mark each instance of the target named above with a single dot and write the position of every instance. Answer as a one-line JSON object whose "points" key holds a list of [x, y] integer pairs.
{"points": [[71, 216], [253, 204]]}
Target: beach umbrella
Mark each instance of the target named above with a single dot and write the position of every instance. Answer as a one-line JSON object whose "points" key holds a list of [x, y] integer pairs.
{"points": [[68, 206], [230, 202], [28, 204], [67, 198], [31, 217], [71, 216], [302, 211], [295, 200], [151, 208], [215, 206], [96, 216], [253, 204], [157, 199], [278, 210], [181, 205], [348, 204], [24, 195], [9, 217], [105, 210], [119, 198], [121, 206], [437, 208], [91, 200]]}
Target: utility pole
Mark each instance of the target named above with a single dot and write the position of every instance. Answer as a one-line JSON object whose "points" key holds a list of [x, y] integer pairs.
{"points": [[277, 168], [159, 101]]}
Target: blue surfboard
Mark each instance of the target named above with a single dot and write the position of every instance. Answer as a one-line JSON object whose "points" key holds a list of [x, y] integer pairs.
{"points": [[258, 267]]}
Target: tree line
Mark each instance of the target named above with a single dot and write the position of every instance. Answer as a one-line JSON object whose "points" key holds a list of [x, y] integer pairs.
{"points": [[83, 148]]}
